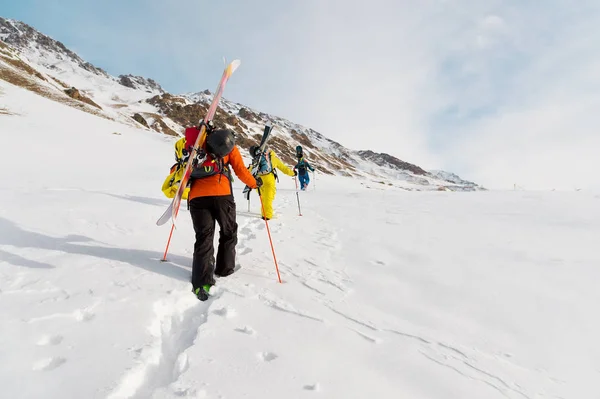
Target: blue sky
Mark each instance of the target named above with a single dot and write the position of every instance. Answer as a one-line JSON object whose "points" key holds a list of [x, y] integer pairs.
{"points": [[500, 92]]}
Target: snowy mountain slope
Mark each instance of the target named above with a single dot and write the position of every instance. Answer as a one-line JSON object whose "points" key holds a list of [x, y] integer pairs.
{"points": [[59, 61], [38, 45], [333, 158], [490, 295], [451, 177], [65, 70], [138, 101], [15, 70]]}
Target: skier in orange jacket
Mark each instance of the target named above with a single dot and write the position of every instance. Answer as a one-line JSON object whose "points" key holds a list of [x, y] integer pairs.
{"points": [[211, 199]]}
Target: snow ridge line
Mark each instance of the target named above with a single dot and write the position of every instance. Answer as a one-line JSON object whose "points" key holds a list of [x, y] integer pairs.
{"points": [[175, 329]]}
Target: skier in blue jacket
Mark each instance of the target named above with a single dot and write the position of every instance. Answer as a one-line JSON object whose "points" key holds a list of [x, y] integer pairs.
{"points": [[302, 168]]}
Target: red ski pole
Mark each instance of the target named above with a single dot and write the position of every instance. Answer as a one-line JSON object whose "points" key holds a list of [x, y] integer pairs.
{"points": [[269, 233], [164, 259]]}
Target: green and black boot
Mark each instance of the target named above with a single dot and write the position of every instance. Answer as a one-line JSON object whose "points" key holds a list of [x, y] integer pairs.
{"points": [[202, 292]]}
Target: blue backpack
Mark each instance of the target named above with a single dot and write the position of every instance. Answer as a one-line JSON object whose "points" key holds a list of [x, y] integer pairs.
{"points": [[302, 167], [264, 164]]}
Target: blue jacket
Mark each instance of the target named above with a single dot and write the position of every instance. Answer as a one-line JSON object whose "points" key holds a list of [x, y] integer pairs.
{"points": [[302, 165]]}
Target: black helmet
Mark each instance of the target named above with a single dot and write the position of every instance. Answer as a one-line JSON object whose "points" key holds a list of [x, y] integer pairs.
{"points": [[253, 149], [220, 142]]}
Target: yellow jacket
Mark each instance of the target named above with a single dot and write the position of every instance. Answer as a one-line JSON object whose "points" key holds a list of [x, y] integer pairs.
{"points": [[171, 183], [276, 163], [268, 188]]}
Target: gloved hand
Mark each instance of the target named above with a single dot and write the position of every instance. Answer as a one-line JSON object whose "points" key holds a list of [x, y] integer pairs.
{"points": [[259, 182], [295, 172]]}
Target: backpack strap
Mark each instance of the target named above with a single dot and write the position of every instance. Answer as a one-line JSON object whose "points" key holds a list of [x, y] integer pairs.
{"points": [[271, 153], [214, 167]]}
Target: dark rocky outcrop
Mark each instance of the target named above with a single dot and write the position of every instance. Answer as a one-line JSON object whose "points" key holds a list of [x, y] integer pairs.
{"points": [[76, 95], [384, 160], [140, 83], [140, 119]]}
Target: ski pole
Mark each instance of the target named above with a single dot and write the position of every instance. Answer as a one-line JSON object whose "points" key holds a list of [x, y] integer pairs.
{"points": [[297, 196], [164, 259], [269, 233]]}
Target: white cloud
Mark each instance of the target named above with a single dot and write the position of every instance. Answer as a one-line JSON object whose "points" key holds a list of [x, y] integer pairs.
{"points": [[492, 22], [498, 91], [543, 132]]}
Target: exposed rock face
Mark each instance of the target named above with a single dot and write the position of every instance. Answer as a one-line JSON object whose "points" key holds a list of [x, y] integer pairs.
{"points": [[140, 119], [140, 83], [160, 126], [302, 139], [390, 161], [178, 110], [76, 95], [248, 115]]}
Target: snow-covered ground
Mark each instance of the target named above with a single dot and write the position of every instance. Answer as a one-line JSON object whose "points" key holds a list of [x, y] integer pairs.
{"points": [[385, 294]]}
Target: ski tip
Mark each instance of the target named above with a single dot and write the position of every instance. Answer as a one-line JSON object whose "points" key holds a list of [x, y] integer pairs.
{"points": [[234, 65], [161, 221]]}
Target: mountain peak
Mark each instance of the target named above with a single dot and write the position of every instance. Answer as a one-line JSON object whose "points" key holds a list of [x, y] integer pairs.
{"points": [[46, 66], [383, 159], [41, 48], [140, 83]]}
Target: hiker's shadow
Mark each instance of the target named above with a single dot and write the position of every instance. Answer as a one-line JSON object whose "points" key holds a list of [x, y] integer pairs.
{"points": [[11, 234], [140, 200]]}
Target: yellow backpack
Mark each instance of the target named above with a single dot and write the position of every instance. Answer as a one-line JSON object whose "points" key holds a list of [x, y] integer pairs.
{"points": [[171, 183]]}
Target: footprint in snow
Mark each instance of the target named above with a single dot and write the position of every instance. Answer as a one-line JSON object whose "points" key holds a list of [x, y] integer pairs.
{"points": [[84, 315], [226, 312], [47, 340], [267, 356], [189, 392], [312, 387], [246, 330], [49, 363], [248, 233]]}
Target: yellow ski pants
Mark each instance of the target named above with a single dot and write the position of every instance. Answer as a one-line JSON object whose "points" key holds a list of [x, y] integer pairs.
{"points": [[267, 193]]}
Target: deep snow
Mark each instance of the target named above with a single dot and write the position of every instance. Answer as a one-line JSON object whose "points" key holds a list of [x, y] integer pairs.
{"points": [[386, 293]]}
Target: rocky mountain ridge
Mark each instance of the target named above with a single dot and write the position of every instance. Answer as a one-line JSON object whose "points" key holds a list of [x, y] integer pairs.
{"points": [[37, 62]]}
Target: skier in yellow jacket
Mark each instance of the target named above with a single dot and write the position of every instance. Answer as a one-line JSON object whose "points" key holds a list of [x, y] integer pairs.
{"points": [[266, 169], [171, 183]]}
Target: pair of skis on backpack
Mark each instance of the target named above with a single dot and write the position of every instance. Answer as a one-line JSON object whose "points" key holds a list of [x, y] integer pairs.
{"points": [[257, 154]]}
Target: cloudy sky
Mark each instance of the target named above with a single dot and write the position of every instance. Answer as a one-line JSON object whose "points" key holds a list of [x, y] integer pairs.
{"points": [[500, 92]]}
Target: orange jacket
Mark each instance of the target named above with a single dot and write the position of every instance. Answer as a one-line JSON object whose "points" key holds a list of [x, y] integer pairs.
{"points": [[218, 185]]}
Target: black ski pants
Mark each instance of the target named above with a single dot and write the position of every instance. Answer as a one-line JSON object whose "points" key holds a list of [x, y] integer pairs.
{"points": [[205, 211]]}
